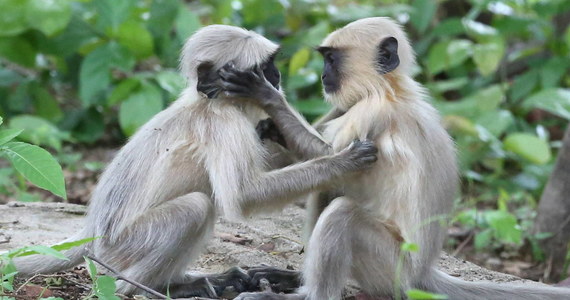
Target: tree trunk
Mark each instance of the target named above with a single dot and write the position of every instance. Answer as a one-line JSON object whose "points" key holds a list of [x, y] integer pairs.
{"points": [[554, 213]]}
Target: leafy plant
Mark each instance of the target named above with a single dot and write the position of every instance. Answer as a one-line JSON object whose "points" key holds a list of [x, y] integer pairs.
{"points": [[34, 163], [8, 269], [104, 287]]}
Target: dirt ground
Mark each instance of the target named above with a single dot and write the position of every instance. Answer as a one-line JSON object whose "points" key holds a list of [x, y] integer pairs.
{"points": [[274, 240]]}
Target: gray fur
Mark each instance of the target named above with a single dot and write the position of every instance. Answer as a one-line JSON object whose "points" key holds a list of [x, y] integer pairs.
{"points": [[156, 203], [402, 198]]}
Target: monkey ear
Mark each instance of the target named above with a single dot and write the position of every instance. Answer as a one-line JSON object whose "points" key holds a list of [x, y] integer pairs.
{"points": [[388, 58]]}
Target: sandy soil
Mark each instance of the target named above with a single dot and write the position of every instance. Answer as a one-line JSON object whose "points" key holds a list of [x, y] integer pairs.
{"points": [[274, 240]]}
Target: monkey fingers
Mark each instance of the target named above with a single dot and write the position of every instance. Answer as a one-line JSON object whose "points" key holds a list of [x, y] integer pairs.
{"points": [[266, 129], [233, 280], [280, 280]]}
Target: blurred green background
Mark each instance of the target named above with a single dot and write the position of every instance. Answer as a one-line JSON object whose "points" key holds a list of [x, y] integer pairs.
{"points": [[75, 74]]}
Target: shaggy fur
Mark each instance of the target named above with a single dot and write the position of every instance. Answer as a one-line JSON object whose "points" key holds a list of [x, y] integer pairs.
{"points": [[156, 203]]}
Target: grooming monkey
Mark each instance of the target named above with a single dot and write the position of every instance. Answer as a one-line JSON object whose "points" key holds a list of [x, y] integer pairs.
{"points": [[402, 198], [156, 203]]}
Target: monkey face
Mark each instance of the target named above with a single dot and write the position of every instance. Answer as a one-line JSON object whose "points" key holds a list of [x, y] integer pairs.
{"points": [[271, 72], [331, 70]]}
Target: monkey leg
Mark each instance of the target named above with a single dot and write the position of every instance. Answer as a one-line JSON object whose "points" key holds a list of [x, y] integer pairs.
{"points": [[376, 253], [329, 254], [156, 248]]}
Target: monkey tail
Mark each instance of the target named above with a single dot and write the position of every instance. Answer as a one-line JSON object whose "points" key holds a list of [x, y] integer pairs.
{"points": [[457, 289], [45, 264]]}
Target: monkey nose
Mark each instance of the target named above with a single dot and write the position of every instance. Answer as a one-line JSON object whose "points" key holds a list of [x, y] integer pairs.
{"points": [[323, 76]]}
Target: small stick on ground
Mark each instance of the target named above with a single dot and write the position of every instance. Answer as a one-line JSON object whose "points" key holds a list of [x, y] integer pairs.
{"points": [[121, 277], [463, 244]]}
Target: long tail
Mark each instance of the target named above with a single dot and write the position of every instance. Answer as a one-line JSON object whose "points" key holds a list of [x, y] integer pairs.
{"points": [[44, 264], [457, 289]]}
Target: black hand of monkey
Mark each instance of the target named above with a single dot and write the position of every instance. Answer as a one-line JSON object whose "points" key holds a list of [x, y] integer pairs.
{"points": [[361, 154], [208, 80], [247, 84], [267, 130]]}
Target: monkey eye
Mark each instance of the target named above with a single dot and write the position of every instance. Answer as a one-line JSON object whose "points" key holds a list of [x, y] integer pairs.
{"points": [[329, 57]]}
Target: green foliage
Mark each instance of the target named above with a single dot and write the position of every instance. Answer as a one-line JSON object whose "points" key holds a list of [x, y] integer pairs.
{"points": [[497, 71], [104, 287], [34, 163], [8, 269], [423, 295]]}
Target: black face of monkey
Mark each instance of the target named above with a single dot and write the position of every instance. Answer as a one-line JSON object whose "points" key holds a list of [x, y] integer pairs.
{"points": [[387, 58], [271, 72], [331, 70]]}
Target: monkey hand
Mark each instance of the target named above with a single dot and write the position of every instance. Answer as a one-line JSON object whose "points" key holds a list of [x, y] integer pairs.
{"points": [[250, 84], [208, 80], [359, 155], [267, 130]]}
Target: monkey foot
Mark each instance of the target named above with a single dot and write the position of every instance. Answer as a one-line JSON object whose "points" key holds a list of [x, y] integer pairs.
{"points": [[275, 279], [233, 281], [269, 296], [197, 287]]}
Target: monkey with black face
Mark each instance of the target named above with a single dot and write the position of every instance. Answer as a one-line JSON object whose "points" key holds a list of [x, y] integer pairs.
{"points": [[156, 203], [402, 198]]}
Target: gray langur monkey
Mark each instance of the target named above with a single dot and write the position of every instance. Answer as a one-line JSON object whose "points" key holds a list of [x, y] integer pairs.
{"points": [[402, 198], [156, 203]]}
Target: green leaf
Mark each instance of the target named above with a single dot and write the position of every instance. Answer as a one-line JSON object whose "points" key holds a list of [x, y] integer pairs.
{"points": [[449, 27], [187, 22], [423, 13], [38, 131], [487, 57], [7, 135], [312, 107], [112, 13], [556, 101], [448, 54], [49, 17], [481, 32], [552, 71], [475, 104], [43, 250], [162, 16], [91, 269], [442, 86], [46, 105], [483, 239], [458, 51], [496, 122], [36, 165], [315, 34], [134, 36], [138, 108], [299, 60], [18, 50], [410, 247], [524, 84], [171, 82], [94, 75], [106, 287], [529, 147], [69, 245], [122, 90], [421, 295], [13, 17], [567, 36], [505, 226]]}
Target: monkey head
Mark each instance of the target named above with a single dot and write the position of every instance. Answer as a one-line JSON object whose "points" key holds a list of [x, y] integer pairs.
{"points": [[214, 46], [363, 59]]}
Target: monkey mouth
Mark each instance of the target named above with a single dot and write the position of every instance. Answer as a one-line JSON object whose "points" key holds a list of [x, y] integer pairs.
{"points": [[330, 88]]}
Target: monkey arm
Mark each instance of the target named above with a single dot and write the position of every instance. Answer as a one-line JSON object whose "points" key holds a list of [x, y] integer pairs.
{"points": [[235, 163], [299, 136]]}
